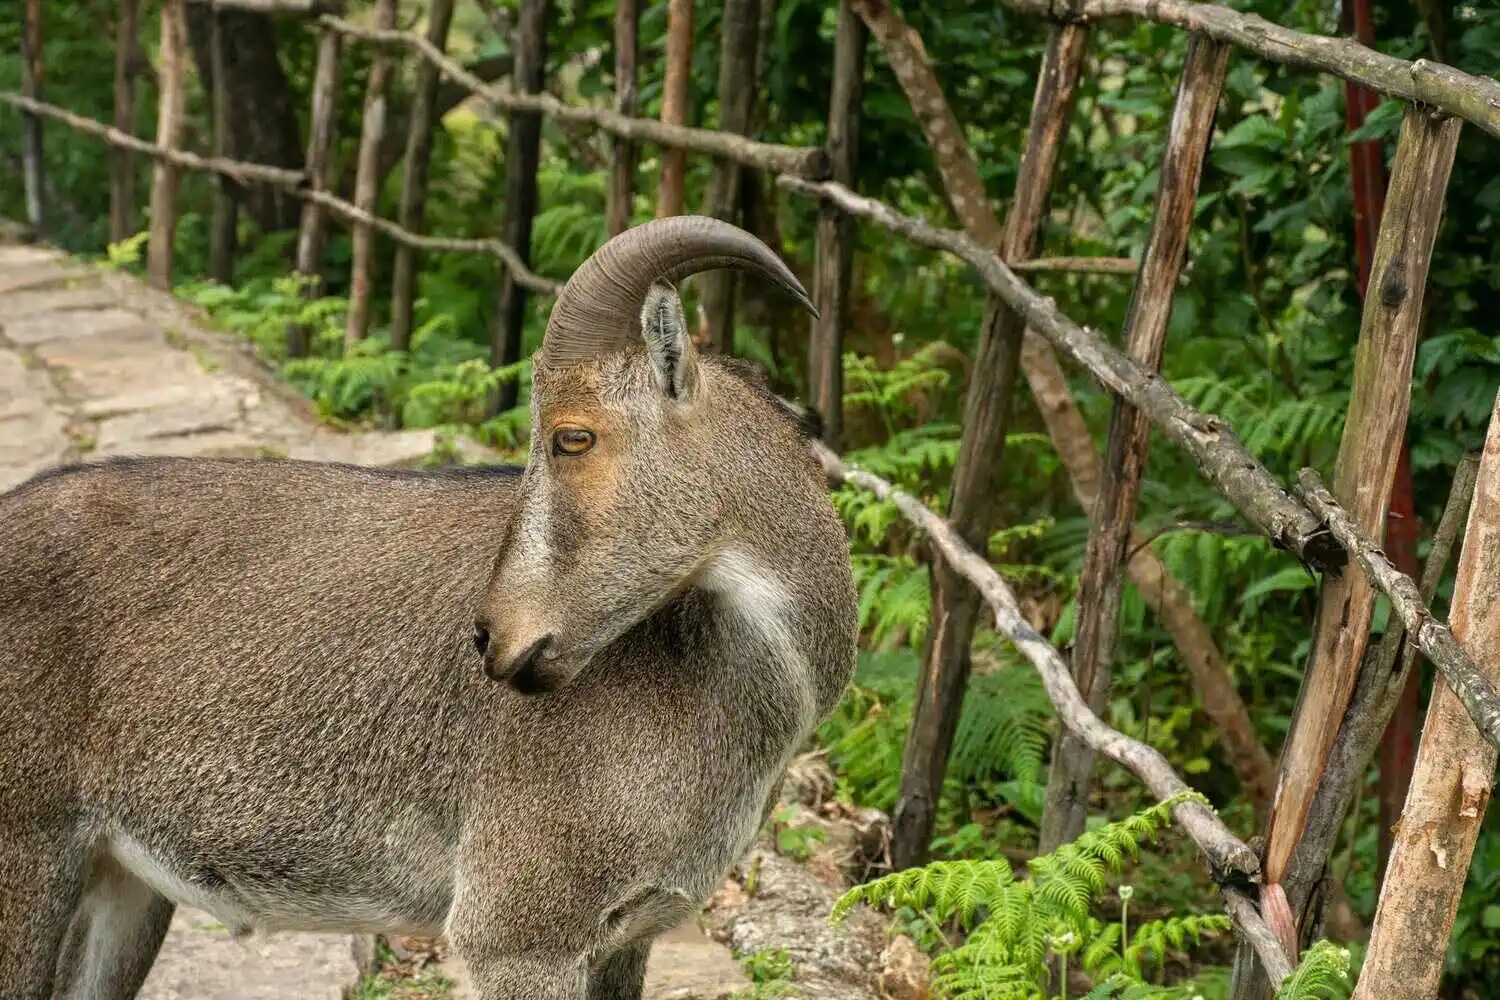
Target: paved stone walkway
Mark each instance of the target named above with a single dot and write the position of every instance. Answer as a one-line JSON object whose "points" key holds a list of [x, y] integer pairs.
{"points": [[92, 364]]}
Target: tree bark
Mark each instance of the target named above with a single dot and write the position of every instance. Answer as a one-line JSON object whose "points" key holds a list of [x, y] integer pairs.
{"points": [[523, 147], [262, 103], [414, 177], [1101, 583], [1451, 783], [1363, 473], [956, 605], [738, 87], [31, 86], [321, 127], [622, 168], [226, 199], [833, 271], [122, 165], [367, 183], [674, 104], [169, 121]]}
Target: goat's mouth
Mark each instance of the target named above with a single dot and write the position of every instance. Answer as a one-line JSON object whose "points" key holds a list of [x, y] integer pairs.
{"points": [[533, 671]]}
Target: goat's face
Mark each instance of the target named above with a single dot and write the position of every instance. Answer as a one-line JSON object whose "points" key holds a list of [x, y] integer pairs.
{"points": [[612, 515], [618, 509]]}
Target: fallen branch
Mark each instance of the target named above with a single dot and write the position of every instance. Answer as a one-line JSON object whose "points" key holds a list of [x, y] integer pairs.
{"points": [[798, 161], [1430, 634], [1475, 98], [1231, 862], [1220, 455]]}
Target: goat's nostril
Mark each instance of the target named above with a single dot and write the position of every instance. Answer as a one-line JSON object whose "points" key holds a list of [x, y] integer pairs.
{"points": [[481, 638]]}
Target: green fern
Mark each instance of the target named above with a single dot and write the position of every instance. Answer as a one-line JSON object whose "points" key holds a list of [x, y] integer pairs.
{"points": [[1323, 974], [1012, 928]]}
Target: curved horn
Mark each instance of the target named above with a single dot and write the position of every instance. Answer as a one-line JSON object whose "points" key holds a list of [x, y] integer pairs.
{"points": [[598, 310]]}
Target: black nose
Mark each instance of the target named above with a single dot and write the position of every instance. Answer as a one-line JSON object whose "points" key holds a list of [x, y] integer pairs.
{"points": [[481, 637]]}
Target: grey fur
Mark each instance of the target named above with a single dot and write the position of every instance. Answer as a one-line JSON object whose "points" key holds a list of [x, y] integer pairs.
{"points": [[252, 686]]}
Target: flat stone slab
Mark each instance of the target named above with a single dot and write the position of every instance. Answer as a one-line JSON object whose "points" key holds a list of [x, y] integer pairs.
{"points": [[15, 305], [40, 327], [200, 961]]}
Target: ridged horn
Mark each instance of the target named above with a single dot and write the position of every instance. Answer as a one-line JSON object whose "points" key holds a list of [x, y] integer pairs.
{"points": [[599, 309]]}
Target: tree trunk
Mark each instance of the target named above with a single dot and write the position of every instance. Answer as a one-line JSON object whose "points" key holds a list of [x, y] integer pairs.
{"points": [[31, 86], [523, 146], [956, 605], [1454, 773], [122, 164], [414, 178], [367, 181], [622, 169], [226, 195], [262, 104], [674, 104], [834, 268], [738, 87], [310, 234], [169, 121], [1101, 584], [1363, 474]]}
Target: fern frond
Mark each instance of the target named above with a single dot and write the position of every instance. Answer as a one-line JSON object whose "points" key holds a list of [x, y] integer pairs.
{"points": [[1323, 974]]}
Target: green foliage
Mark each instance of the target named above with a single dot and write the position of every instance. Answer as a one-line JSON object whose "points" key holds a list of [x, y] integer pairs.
{"points": [[770, 971], [1323, 974], [1008, 932]]}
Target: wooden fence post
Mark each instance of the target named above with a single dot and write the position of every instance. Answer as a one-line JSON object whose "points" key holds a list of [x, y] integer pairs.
{"points": [[833, 270], [1113, 518], [523, 145], [957, 605], [622, 168], [367, 181], [674, 104], [320, 130], [31, 86], [414, 177], [1366, 465], [1454, 773], [739, 33], [169, 121], [122, 166], [226, 200]]}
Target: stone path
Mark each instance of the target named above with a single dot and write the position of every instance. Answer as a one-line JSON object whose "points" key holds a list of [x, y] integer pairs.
{"points": [[92, 364]]}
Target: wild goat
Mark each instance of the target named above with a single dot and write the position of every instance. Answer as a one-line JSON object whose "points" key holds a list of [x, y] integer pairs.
{"points": [[251, 686]]}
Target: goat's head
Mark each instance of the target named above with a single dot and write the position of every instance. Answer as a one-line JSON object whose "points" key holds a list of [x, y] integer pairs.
{"points": [[643, 454]]}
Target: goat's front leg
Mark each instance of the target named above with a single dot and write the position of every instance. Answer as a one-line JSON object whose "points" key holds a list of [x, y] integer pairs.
{"points": [[526, 977], [621, 976]]}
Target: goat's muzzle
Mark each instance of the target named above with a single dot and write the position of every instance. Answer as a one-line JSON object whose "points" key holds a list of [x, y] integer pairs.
{"points": [[526, 673]]}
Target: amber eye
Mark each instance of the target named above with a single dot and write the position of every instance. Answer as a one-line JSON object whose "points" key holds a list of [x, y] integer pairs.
{"points": [[571, 441]]}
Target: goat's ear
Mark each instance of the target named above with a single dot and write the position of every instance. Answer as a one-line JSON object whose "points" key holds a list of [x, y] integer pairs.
{"points": [[674, 360]]}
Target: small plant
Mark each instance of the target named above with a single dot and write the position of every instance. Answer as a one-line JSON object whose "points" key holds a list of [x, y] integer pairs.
{"points": [[792, 840], [770, 970], [1003, 937]]}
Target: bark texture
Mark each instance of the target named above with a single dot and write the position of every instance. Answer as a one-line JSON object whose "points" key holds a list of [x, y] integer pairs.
{"points": [[622, 167], [322, 122], [169, 116], [226, 196], [674, 104], [367, 182], [414, 177], [122, 164], [1102, 581], [31, 86]]}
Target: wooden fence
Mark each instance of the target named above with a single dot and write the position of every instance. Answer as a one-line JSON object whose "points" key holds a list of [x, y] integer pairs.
{"points": [[1347, 696]]}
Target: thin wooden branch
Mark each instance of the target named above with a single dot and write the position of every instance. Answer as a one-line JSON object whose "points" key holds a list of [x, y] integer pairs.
{"points": [[1474, 98], [795, 160], [676, 82], [169, 123], [278, 6], [31, 85], [833, 269], [409, 216], [225, 204], [367, 182], [122, 165], [1230, 860], [320, 136], [621, 195], [1220, 455], [1366, 465], [1102, 579], [1081, 265], [1452, 779], [1431, 635]]}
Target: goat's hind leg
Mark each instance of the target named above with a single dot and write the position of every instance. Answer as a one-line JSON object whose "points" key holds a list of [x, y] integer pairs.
{"points": [[41, 882], [116, 933]]}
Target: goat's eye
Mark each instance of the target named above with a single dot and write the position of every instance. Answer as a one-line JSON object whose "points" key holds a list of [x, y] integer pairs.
{"points": [[571, 441]]}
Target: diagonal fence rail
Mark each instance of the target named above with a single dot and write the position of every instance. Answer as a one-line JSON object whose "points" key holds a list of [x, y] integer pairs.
{"points": [[1312, 524]]}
